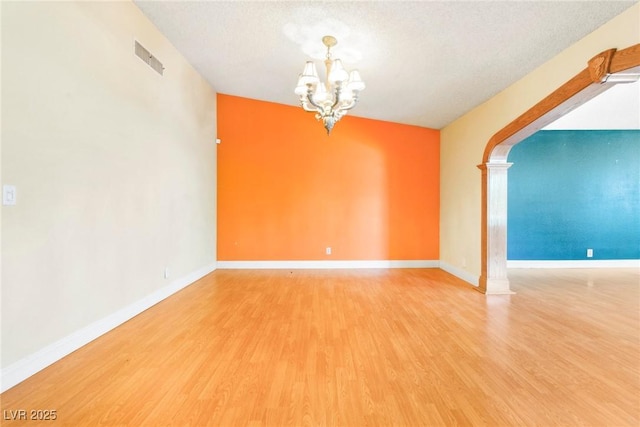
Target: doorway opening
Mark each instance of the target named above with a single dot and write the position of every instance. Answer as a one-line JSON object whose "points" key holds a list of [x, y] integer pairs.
{"points": [[605, 70]]}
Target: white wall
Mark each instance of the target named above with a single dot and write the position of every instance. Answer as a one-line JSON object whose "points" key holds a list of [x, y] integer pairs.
{"points": [[617, 108], [463, 141], [115, 169]]}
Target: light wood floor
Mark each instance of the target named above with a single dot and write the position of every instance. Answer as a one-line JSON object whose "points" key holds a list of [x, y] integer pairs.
{"points": [[355, 348]]}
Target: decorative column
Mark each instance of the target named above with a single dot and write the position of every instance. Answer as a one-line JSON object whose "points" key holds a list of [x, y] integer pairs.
{"points": [[493, 278]]}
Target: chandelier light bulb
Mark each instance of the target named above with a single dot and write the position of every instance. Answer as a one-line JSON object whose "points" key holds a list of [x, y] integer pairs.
{"points": [[355, 82], [337, 74], [320, 96], [301, 88], [346, 96], [310, 74]]}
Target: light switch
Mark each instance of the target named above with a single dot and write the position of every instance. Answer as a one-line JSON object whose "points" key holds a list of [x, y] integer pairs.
{"points": [[8, 195]]}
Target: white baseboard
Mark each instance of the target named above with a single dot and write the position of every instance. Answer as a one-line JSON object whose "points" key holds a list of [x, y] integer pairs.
{"points": [[460, 273], [595, 263], [26, 367], [295, 265]]}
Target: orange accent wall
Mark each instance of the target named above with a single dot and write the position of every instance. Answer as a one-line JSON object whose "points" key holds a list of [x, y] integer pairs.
{"points": [[286, 190]]}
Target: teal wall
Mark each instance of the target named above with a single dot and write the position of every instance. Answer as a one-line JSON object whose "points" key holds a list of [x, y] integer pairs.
{"points": [[570, 190]]}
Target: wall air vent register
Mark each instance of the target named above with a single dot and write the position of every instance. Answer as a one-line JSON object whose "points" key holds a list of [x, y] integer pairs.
{"points": [[147, 57]]}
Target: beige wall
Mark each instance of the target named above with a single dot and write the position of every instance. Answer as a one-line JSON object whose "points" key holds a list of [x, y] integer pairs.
{"points": [[115, 168], [463, 141]]}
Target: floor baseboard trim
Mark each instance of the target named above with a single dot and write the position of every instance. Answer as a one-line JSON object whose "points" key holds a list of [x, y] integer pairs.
{"points": [[296, 265], [460, 273], [28, 366], [596, 263]]}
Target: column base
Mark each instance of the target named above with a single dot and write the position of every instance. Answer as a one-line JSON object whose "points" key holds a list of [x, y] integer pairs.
{"points": [[492, 286]]}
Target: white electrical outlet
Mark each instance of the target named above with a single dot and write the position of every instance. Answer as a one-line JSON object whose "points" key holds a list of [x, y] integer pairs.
{"points": [[589, 253], [8, 195], [328, 250], [166, 272]]}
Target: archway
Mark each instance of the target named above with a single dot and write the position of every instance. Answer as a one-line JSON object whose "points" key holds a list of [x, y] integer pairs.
{"points": [[603, 72]]}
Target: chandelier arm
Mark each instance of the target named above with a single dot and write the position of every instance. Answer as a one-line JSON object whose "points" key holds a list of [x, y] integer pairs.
{"points": [[306, 108], [353, 103], [310, 99], [338, 90]]}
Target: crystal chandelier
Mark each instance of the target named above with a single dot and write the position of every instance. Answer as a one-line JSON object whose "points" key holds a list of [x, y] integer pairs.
{"points": [[331, 99]]}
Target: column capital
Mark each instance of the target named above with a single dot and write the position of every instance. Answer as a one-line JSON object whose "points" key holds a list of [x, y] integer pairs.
{"points": [[494, 166]]}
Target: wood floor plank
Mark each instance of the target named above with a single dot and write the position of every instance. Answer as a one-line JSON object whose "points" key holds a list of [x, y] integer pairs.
{"points": [[360, 347]]}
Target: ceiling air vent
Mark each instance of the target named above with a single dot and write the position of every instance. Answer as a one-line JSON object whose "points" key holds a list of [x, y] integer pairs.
{"points": [[146, 56]]}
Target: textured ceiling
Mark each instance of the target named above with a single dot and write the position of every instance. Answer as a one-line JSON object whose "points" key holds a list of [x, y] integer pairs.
{"points": [[424, 63]]}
